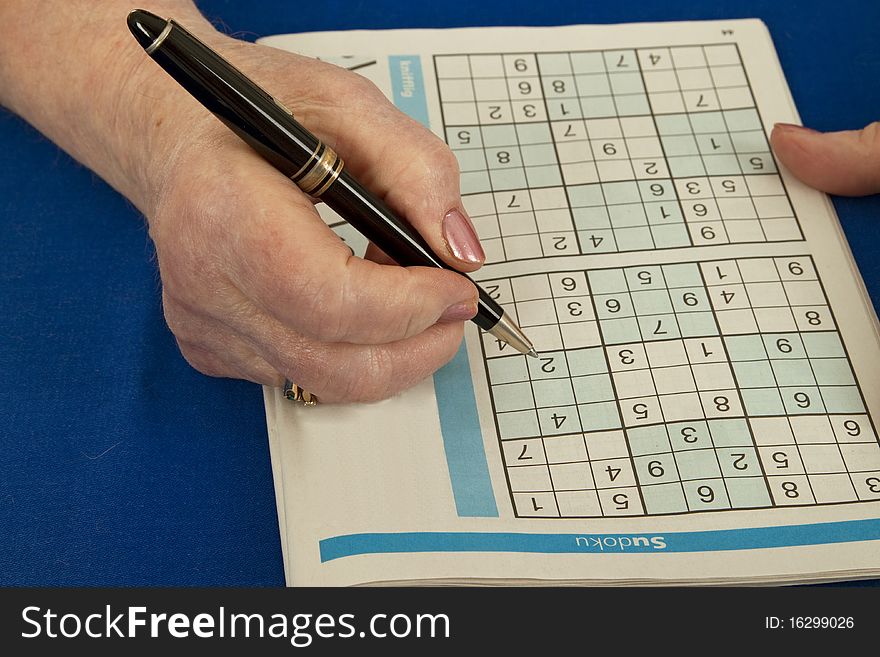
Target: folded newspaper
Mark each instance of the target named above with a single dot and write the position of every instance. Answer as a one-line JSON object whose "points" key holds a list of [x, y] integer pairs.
{"points": [[702, 408]]}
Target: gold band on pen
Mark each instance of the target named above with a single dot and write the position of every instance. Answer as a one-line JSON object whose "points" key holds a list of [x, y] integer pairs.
{"points": [[319, 172], [295, 393]]}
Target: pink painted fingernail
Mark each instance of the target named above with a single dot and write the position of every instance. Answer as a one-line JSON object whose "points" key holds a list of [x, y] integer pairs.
{"points": [[459, 312], [793, 127], [459, 233]]}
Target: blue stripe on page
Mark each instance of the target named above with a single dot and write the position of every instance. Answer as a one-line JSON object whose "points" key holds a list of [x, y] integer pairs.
{"points": [[408, 87], [463, 440], [753, 538], [459, 421]]}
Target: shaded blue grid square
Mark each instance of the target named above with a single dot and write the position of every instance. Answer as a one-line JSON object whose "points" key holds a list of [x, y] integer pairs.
{"points": [[757, 162], [520, 424], [697, 464], [762, 401], [745, 347], [673, 124], [655, 469], [748, 492], [739, 461], [613, 306], [597, 241], [659, 327], [663, 212], [832, 371], [721, 165], [784, 346], [548, 365], [842, 399], [664, 498], [621, 192], [592, 84], [586, 195], [507, 370], [553, 392], [619, 331], [730, 432], [802, 400], [754, 374], [706, 494], [534, 133], [715, 144], [512, 397], [470, 160], [538, 154], [543, 176], [689, 435], [675, 145], [630, 214], [598, 107], [626, 83], [686, 166], [504, 179], [591, 218], [751, 141], [646, 277], [793, 372], [670, 236], [647, 440], [823, 345], [683, 275], [632, 105], [499, 135], [587, 361], [599, 417], [742, 119], [651, 302], [559, 420], [690, 299], [703, 122], [693, 325], [592, 388], [607, 281]]}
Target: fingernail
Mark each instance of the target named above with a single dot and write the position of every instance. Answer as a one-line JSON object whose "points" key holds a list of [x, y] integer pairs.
{"points": [[793, 127], [459, 233], [459, 312]]}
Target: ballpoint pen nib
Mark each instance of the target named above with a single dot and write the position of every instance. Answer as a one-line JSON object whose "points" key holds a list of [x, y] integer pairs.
{"points": [[507, 330]]}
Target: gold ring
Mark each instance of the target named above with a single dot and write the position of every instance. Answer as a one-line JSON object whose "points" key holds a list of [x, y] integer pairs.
{"points": [[295, 393]]}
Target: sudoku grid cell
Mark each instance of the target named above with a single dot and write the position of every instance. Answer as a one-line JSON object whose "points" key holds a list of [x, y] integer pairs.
{"points": [[675, 388], [611, 151]]}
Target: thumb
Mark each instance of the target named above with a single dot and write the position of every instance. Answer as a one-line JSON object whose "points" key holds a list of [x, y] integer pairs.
{"points": [[845, 163], [412, 169]]}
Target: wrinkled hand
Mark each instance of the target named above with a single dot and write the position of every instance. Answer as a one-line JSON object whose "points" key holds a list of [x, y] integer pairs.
{"points": [[845, 163], [255, 285]]}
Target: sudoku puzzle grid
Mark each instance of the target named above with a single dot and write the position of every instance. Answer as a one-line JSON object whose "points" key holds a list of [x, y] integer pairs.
{"points": [[611, 151], [675, 388]]}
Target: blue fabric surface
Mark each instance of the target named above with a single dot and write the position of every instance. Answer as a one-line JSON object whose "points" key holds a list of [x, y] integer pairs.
{"points": [[120, 464]]}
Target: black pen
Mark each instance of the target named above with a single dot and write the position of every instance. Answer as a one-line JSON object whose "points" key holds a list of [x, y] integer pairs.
{"points": [[270, 129]]}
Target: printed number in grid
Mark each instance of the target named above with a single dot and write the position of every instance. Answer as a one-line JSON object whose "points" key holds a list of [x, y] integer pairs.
{"points": [[678, 388], [596, 152]]}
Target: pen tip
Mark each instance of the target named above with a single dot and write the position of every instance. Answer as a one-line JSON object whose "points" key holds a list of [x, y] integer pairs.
{"points": [[533, 353]]}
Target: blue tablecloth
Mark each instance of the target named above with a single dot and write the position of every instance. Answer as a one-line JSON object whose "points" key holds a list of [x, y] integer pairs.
{"points": [[121, 465]]}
